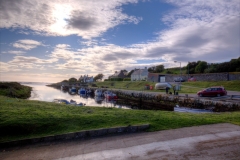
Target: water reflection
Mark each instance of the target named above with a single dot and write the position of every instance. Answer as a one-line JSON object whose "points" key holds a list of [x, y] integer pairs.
{"points": [[43, 93]]}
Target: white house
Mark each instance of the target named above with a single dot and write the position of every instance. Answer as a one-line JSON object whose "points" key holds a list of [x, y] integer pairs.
{"points": [[139, 75], [86, 79]]}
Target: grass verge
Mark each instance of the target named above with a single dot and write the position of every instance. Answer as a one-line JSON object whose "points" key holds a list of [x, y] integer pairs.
{"points": [[21, 119]]}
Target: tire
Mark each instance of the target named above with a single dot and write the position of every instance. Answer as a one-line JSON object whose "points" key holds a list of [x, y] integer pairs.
{"points": [[218, 95], [200, 95]]}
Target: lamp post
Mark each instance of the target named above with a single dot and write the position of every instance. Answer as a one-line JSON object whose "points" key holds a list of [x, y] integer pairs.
{"points": [[180, 67]]}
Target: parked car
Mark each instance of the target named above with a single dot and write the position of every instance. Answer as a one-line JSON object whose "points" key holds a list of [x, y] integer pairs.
{"points": [[191, 79], [213, 91], [179, 79]]}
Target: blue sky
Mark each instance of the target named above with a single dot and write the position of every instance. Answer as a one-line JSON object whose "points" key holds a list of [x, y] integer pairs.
{"points": [[49, 41]]}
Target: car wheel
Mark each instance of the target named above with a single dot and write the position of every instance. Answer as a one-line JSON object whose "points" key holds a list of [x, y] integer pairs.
{"points": [[200, 95], [218, 95]]}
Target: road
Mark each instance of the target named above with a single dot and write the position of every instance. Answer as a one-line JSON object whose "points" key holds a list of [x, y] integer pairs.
{"points": [[215, 142]]}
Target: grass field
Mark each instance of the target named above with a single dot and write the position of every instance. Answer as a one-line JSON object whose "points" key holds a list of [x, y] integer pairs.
{"points": [[21, 119]]}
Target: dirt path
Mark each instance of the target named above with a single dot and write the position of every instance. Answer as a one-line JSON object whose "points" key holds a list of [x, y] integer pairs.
{"points": [[218, 141]]}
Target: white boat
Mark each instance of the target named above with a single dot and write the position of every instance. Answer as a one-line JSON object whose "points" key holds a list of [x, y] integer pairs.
{"points": [[98, 99], [98, 93], [163, 85], [71, 102]]}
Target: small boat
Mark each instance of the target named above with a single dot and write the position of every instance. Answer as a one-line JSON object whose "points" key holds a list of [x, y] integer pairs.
{"points": [[110, 95], [82, 91], [63, 101], [98, 93], [163, 85], [72, 89], [63, 87], [71, 102], [98, 99]]}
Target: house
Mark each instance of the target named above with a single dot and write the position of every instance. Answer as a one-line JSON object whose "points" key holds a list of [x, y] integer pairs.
{"points": [[139, 75], [86, 79], [121, 74]]}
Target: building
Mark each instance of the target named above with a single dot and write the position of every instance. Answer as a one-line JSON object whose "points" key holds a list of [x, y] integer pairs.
{"points": [[140, 75], [86, 79], [121, 74]]}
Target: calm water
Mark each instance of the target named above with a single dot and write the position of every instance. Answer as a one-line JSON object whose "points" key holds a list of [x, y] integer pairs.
{"points": [[43, 93]]}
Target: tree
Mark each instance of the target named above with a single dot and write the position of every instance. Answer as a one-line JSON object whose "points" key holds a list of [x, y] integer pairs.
{"points": [[159, 69], [65, 80], [202, 65], [212, 68], [151, 69], [72, 79], [129, 73], [98, 77]]}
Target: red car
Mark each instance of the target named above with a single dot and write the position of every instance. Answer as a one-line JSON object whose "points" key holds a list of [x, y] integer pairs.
{"points": [[213, 91]]}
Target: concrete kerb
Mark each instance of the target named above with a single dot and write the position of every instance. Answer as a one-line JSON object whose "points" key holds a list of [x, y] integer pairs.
{"points": [[78, 135]]}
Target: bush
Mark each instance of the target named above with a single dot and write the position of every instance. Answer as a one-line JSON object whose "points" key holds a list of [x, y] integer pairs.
{"points": [[94, 85], [116, 79], [127, 79]]}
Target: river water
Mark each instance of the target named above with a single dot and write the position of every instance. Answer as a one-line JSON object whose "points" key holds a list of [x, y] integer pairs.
{"points": [[42, 92]]}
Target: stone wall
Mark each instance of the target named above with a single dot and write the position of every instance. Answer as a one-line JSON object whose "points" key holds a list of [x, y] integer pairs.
{"points": [[206, 77], [234, 76]]}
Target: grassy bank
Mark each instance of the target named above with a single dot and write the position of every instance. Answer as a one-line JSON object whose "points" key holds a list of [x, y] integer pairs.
{"points": [[15, 89], [187, 87], [26, 119]]}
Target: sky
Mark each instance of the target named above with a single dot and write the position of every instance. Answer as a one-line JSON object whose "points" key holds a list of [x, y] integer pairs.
{"points": [[50, 41]]}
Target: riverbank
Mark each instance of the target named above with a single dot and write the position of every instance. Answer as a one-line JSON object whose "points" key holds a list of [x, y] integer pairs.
{"points": [[20, 119]]}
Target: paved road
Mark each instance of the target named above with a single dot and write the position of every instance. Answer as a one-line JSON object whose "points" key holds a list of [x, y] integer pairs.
{"points": [[215, 142]]}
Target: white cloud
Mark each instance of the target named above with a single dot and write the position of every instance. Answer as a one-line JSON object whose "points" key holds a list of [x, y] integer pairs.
{"points": [[63, 46], [16, 52], [6, 68], [64, 52], [86, 18], [31, 60], [26, 44]]}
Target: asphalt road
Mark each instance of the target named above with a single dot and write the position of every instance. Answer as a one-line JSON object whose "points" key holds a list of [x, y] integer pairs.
{"points": [[213, 142]]}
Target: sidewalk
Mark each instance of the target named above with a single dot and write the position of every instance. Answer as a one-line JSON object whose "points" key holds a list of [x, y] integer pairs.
{"points": [[217, 141]]}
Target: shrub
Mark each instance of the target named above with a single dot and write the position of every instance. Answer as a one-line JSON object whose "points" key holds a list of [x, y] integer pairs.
{"points": [[116, 79], [127, 79]]}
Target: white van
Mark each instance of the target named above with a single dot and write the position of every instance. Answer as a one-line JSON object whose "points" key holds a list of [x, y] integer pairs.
{"points": [[163, 85]]}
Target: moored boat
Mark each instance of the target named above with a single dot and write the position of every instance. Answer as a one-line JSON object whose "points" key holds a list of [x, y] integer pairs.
{"points": [[82, 91], [72, 89], [110, 95], [71, 102], [98, 93]]}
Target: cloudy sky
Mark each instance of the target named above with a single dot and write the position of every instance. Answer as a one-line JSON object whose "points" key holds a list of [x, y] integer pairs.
{"points": [[49, 41]]}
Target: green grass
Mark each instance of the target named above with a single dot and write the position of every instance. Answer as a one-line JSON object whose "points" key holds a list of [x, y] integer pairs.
{"points": [[21, 119], [15, 89], [228, 85]]}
